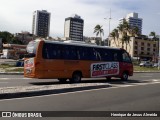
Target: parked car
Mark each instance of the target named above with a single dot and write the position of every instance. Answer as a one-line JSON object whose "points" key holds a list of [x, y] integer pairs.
{"points": [[20, 63], [145, 64], [155, 65]]}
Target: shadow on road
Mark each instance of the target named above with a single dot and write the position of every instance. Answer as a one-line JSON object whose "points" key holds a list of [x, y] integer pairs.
{"points": [[113, 81]]}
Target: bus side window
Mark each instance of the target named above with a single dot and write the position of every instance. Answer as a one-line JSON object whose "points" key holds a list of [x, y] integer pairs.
{"points": [[93, 54], [65, 52], [72, 53], [106, 55], [78, 53], [126, 57], [82, 53], [47, 54], [68, 53], [99, 54], [115, 57]]}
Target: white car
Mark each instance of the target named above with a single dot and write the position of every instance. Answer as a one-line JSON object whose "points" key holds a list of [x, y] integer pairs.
{"points": [[145, 64], [155, 65]]}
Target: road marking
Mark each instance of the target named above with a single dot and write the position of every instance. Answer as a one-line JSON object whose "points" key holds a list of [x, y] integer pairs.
{"points": [[4, 78], [113, 87], [146, 76], [155, 80], [14, 78]]}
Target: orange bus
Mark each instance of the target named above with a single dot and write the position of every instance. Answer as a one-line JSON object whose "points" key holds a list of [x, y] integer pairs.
{"points": [[74, 60]]}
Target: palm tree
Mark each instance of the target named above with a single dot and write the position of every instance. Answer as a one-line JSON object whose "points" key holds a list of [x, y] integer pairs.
{"points": [[115, 36], [134, 31], [153, 34], [124, 29], [99, 31]]}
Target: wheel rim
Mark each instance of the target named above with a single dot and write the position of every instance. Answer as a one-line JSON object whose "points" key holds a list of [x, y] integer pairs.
{"points": [[76, 78], [125, 76]]}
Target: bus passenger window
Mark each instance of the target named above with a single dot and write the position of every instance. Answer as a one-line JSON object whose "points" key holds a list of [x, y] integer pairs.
{"points": [[115, 57]]}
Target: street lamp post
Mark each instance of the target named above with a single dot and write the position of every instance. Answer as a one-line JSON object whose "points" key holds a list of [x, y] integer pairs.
{"points": [[159, 53], [109, 27]]}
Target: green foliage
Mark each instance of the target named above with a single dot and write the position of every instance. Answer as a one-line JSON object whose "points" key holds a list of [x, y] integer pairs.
{"points": [[99, 31], [9, 38], [6, 36], [145, 69]]}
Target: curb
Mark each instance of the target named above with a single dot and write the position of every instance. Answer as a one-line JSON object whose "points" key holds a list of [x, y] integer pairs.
{"points": [[146, 71], [11, 73], [28, 91]]}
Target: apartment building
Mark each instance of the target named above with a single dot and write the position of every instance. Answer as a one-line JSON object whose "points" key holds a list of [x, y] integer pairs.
{"points": [[41, 23], [139, 48], [73, 28], [134, 21]]}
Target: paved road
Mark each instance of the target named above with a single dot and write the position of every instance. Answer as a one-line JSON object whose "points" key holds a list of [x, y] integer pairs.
{"points": [[130, 98], [19, 80], [141, 93]]}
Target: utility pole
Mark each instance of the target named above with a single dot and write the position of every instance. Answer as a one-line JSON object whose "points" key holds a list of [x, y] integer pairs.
{"points": [[158, 52], [109, 26], [109, 22]]}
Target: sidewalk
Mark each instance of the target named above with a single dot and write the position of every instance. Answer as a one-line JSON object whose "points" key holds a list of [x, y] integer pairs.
{"points": [[28, 91]]}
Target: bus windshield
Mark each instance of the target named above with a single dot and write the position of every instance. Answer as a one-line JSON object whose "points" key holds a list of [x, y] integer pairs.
{"points": [[31, 48]]}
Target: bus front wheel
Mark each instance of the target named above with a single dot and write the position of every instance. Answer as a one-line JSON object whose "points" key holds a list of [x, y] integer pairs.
{"points": [[124, 76], [76, 77]]}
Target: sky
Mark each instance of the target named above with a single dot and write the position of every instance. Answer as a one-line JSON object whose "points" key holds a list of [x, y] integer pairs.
{"points": [[16, 15]]}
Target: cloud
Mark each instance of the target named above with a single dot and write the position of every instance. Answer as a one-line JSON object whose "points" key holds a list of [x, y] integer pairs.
{"points": [[16, 15]]}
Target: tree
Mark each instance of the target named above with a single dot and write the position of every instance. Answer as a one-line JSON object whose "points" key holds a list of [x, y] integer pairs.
{"points": [[115, 36], [124, 28], [99, 31], [153, 34], [6, 36], [15, 40], [135, 31]]}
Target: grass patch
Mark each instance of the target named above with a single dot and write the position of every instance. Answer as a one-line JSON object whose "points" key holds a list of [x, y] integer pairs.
{"points": [[138, 68], [18, 69], [6, 66]]}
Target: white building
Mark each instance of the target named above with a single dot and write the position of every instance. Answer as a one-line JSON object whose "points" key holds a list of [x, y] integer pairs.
{"points": [[134, 21], [73, 28], [41, 23]]}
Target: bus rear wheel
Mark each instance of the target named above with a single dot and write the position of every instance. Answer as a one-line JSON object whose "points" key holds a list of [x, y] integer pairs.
{"points": [[108, 78], [124, 76], [62, 80], [76, 77]]}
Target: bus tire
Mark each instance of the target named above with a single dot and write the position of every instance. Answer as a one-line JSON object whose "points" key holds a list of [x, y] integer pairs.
{"points": [[76, 77], [62, 80], [124, 76], [108, 78]]}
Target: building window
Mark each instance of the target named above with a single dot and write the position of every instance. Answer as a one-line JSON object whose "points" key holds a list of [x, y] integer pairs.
{"points": [[136, 43], [135, 47], [148, 49], [135, 52], [142, 44], [148, 44], [142, 48]]}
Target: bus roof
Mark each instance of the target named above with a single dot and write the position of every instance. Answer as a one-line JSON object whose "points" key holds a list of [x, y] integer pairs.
{"points": [[77, 43]]}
